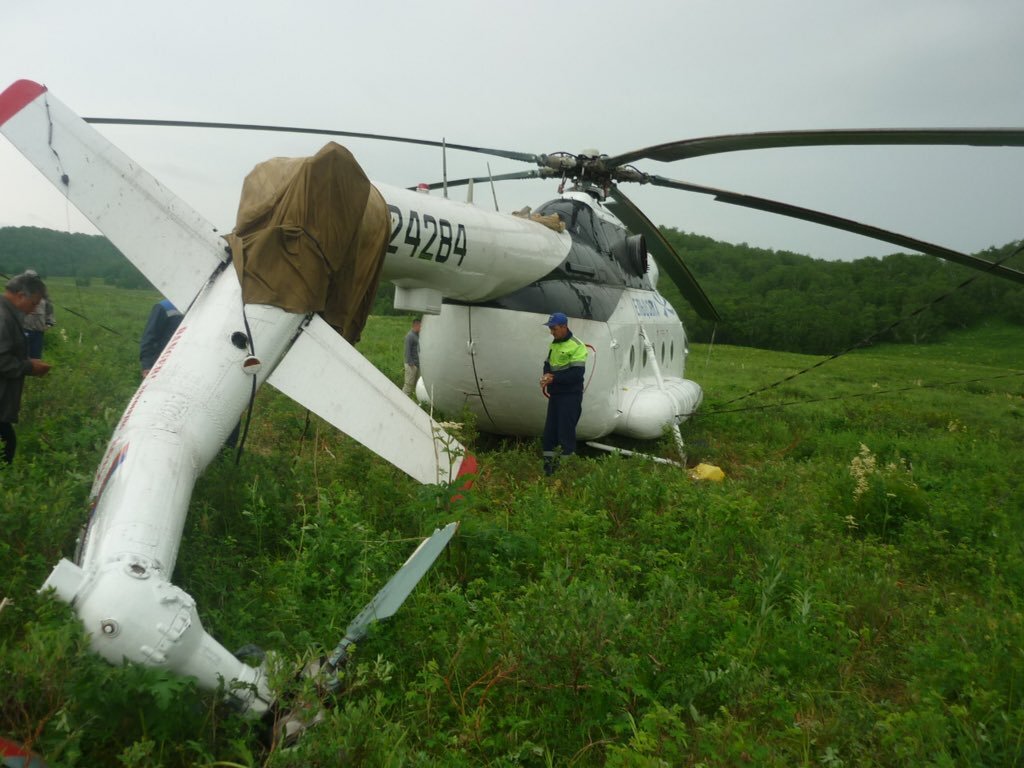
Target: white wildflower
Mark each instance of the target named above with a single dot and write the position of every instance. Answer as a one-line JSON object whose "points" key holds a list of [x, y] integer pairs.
{"points": [[862, 467]]}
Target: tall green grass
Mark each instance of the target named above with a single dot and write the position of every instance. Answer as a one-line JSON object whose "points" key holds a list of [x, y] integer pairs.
{"points": [[850, 595]]}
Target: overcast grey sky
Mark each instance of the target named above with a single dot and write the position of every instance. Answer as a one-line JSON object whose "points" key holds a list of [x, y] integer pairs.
{"points": [[542, 77]]}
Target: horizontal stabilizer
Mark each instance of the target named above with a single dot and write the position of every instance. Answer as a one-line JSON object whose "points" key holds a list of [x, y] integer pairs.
{"points": [[172, 245], [324, 373]]}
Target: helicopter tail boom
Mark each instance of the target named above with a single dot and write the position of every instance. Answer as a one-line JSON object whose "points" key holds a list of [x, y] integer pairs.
{"points": [[177, 422]]}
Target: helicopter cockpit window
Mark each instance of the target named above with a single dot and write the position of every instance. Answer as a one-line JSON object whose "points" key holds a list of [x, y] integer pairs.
{"points": [[614, 236], [578, 218]]}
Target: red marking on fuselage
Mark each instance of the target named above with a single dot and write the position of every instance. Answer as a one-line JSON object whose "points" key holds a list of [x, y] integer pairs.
{"points": [[115, 462], [17, 96], [153, 371], [167, 350]]}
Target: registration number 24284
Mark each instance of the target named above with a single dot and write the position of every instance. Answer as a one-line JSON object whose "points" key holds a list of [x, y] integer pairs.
{"points": [[427, 236]]}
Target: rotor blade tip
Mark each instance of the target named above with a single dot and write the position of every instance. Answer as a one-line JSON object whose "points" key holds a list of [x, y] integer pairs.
{"points": [[467, 470], [17, 96]]}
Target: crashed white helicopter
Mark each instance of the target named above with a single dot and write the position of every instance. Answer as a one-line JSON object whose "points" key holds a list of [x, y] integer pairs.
{"points": [[236, 334], [484, 279], [502, 276]]}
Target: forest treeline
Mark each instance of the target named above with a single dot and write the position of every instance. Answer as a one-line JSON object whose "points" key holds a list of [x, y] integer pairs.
{"points": [[788, 301], [767, 299], [66, 254]]}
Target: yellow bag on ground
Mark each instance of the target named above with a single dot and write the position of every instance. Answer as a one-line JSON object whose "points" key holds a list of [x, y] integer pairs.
{"points": [[707, 472]]}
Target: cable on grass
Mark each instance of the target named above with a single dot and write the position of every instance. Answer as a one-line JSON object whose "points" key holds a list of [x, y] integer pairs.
{"points": [[869, 339]]}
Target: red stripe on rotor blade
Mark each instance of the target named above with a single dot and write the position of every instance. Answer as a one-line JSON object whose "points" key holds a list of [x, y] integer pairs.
{"points": [[18, 756], [468, 467], [17, 96]]}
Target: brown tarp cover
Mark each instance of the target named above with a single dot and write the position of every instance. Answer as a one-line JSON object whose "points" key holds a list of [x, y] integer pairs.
{"points": [[551, 221], [310, 237]]}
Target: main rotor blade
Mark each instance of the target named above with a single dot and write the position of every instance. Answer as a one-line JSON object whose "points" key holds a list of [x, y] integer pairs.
{"points": [[484, 179], [837, 222], [663, 253], [525, 157], [713, 145]]}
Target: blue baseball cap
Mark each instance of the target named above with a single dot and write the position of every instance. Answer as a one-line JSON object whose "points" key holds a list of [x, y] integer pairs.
{"points": [[558, 318]]}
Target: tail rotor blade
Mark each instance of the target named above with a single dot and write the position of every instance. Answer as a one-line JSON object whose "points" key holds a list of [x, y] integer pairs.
{"points": [[390, 598]]}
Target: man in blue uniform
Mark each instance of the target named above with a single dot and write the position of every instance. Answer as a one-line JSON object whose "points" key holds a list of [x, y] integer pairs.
{"points": [[562, 381], [163, 321]]}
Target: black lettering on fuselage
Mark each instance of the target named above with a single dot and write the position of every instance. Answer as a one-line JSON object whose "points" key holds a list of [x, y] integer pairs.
{"points": [[430, 236]]}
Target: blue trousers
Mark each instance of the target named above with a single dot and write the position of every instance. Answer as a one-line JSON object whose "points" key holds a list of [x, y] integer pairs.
{"points": [[35, 344], [560, 426]]}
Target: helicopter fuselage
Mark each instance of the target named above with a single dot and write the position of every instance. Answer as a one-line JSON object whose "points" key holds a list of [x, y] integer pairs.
{"points": [[487, 281]]}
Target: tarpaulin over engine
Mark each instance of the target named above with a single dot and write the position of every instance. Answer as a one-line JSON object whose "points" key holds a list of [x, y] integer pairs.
{"points": [[310, 237]]}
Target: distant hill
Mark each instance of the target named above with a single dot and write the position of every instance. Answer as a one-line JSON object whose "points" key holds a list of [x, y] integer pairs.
{"points": [[768, 299], [66, 254]]}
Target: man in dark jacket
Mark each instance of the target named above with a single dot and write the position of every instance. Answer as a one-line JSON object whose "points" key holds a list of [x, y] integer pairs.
{"points": [[562, 381], [21, 296], [412, 359]]}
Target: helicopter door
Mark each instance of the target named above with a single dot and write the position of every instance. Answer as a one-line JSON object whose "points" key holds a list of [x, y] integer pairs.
{"points": [[506, 360], [447, 364]]}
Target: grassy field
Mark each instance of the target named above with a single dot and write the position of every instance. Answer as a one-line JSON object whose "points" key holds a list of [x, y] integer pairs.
{"points": [[850, 595]]}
